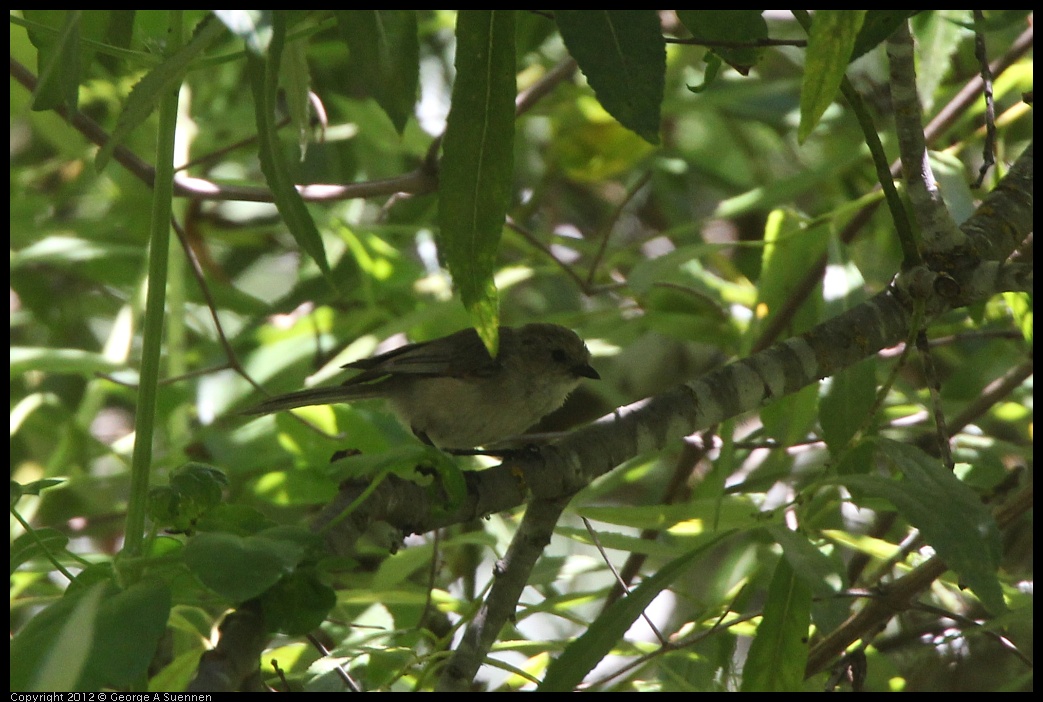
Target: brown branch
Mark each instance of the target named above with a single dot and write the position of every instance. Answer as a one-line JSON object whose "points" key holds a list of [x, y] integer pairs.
{"points": [[898, 596], [751, 44], [417, 182]]}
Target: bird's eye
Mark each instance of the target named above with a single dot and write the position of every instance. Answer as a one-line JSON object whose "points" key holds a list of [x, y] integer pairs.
{"points": [[558, 355]]}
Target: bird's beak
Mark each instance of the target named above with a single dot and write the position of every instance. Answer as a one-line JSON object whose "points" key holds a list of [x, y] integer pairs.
{"points": [[586, 371]]}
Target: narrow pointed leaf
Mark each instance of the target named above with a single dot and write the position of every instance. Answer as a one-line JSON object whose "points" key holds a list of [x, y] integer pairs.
{"points": [[877, 27], [478, 160], [277, 169], [949, 514], [779, 650], [830, 43], [385, 52], [62, 58], [146, 94]]}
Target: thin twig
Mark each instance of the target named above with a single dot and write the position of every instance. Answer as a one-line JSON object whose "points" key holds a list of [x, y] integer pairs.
{"points": [[750, 44], [967, 621], [550, 80], [341, 673], [934, 387], [606, 229], [690, 640], [989, 148], [539, 245], [418, 181], [677, 490], [991, 395], [211, 304], [619, 580], [898, 595], [227, 149], [233, 359]]}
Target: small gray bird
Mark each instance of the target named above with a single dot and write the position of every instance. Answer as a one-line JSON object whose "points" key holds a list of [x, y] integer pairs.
{"points": [[452, 394]]}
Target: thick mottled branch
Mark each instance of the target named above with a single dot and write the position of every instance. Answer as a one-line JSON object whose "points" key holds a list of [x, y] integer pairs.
{"points": [[512, 574], [1000, 224], [415, 508], [232, 665], [651, 424], [939, 231], [742, 386]]}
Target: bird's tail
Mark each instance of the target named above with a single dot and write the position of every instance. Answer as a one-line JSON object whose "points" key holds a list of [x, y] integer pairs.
{"points": [[314, 396]]}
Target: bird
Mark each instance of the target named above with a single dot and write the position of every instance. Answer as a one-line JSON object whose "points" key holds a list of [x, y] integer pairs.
{"points": [[453, 394]]}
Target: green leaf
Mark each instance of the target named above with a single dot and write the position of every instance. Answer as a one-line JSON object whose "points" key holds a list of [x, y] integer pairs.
{"points": [[240, 568], [623, 55], [478, 161], [622, 542], [694, 516], [779, 651], [845, 403], [790, 242], [386, 54], [34, 487], [194, 490], [62, 58], [579, 657], [119, 34], [59, 250], [127, 632], [728, 26], [50, 652], [91, 639], [953, 180], [949, 514], [71, 361], [236, 519], [264, 74], [590, 145], [858, 460], [938, 34], [823, 576], [41, 543], [1020, 306], [297, 604], [816, 569], [58, 58], [713, 67], [295, 80], [830, 42], [146, 94], [790, 418], [877, 27]]}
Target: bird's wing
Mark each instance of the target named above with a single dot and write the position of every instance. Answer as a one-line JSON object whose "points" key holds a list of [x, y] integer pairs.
{"points": [[450, 356]]}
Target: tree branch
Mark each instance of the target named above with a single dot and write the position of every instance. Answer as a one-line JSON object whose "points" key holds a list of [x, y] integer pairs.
{"points": [[511, 577], [938, 229], [945, 118], [898, 596], [417, 182], [557, 471]]}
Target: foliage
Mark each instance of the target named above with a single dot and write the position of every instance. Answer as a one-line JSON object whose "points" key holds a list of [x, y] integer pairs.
{"points": [[682, 189]]}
